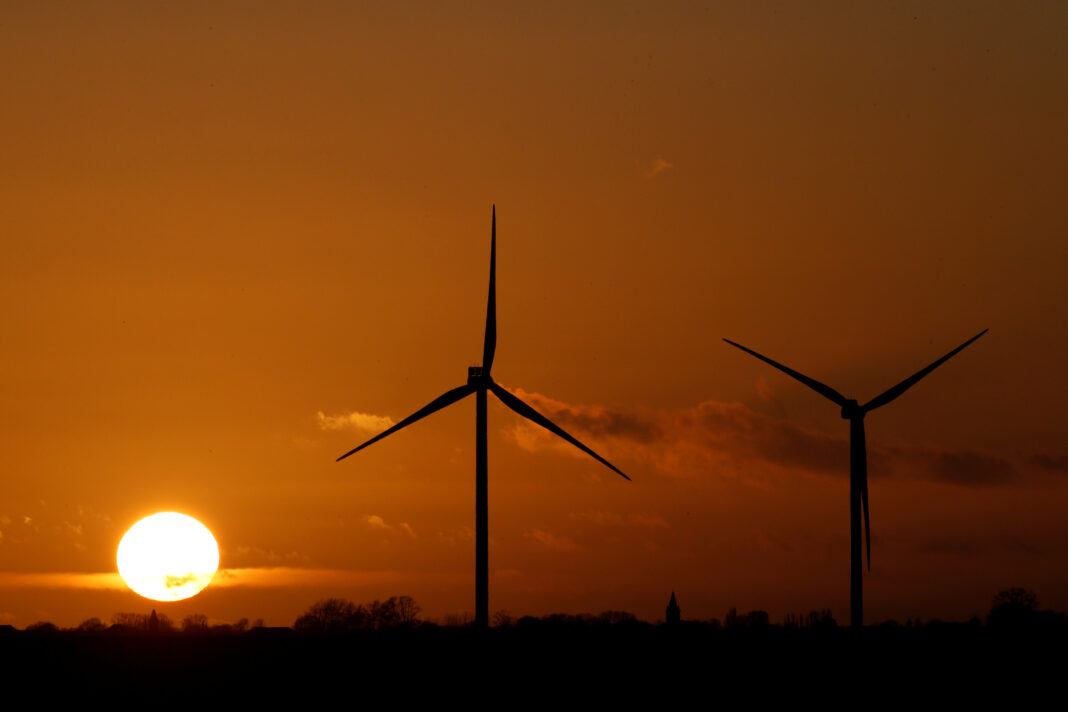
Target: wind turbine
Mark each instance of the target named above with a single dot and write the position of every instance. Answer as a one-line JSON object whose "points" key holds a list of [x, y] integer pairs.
{"points": [[479, 382], [858, 462]]}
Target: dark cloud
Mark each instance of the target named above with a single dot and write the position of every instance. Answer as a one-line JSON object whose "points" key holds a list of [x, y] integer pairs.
{"points": [[1053, 463], [976, 547], [730, 438], [970, 469]]}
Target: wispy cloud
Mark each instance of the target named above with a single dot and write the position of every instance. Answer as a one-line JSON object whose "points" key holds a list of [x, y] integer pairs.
{"points": [[731, 439], [657, 166], [360, 422], [1053, 463], [94, 582], [287, 577], [551, 541], [648, 520], [376, 522], [269, 577]]}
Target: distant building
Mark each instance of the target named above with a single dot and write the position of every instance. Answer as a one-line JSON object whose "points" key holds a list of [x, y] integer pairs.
{"points": [[673, 614]]}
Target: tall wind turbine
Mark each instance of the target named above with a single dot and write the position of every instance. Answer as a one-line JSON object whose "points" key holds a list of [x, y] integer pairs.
{"points": [[479, 382], [858, 462]]}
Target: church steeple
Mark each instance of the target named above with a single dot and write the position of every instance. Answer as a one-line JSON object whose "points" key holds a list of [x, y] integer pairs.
{"points": [[673, 614]]}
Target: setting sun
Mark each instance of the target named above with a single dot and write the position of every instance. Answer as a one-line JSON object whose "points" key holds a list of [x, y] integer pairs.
{"points": [[168, 556]]}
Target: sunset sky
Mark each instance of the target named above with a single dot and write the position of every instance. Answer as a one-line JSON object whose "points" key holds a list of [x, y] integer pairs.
{"points": [[239, 238]]}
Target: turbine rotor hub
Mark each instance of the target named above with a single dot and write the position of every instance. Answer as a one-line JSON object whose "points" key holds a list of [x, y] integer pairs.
{"points": [[851, 410], [475, 375]]}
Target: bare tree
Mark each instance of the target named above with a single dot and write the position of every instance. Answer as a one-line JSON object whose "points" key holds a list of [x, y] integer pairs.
{"points": [[330, 615], [614, 617], [129, 621], [91, 625], [407, 610], [42, 627], [458, 620], [195, 623], [1013, 607]]}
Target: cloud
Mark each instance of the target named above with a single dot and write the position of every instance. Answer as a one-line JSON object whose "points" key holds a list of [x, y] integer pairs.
{"points": [[376, 522], [976, 547], [657, 166], [648, 520], [731, 439], [253, 557], [970, 469], [361, 422], [288, 577], [268, 577], [551, 541], [1053, 463], [598, 517], [109, 581]]}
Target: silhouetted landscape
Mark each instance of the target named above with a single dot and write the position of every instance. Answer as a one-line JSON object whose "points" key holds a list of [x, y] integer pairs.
{"points": [[337, 644]]}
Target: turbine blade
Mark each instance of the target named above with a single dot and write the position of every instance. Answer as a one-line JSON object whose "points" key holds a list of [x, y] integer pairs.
{"points": [[529, 413], [490, 346], [435, 405], [889, 395], [858, 473], [821, 388]]}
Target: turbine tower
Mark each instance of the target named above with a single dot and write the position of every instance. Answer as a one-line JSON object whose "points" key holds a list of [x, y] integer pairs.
{"points": [[858, 462], [479, 382]]}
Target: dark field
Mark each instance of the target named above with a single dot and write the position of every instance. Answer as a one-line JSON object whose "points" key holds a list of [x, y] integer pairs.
{"points": [[547, 664]]}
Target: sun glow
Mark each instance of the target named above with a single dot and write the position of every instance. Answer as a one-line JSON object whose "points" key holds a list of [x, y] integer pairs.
{"points": [[168, 557]]}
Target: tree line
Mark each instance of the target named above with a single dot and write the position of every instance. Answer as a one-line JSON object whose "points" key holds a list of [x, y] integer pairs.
{"points": [[1013, 608]]}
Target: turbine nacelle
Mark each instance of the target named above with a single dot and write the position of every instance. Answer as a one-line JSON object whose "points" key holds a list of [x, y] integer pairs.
{"points": [[476, 376], [851, 409]]}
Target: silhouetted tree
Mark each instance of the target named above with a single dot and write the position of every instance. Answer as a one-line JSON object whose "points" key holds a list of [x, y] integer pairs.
{"points": [[1013, 608], [91, 625], [195, 623], [128, 621], [820, 619], [458, 620], [42, 627], [616, 617], [142, 623], [501, 619], [756, 619], [331, 615], [381, 614], [407, 610]]}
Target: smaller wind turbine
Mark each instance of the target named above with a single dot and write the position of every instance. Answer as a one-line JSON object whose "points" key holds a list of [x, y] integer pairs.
{"points": [[858, 462]]}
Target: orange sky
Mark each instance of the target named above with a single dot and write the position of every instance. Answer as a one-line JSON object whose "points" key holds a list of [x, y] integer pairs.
{"points": [[219, 220]]}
